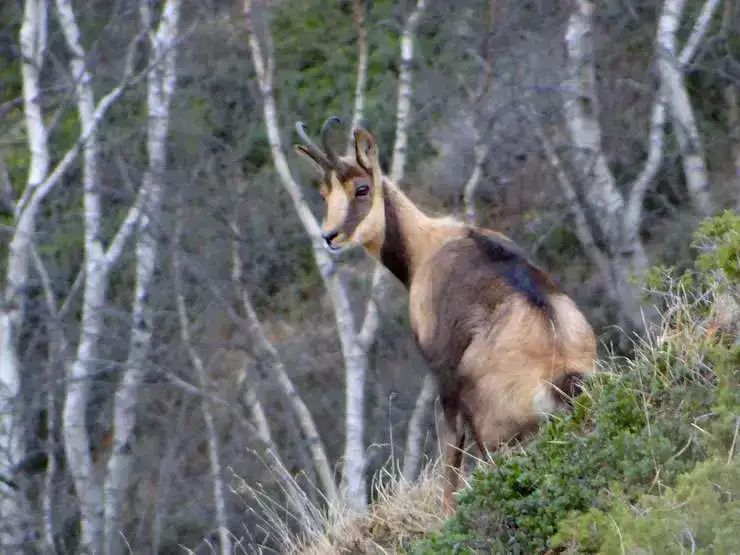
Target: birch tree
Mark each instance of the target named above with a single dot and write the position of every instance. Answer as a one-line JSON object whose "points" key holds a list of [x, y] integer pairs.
{"points": [[476, 97], [356, 343], [160, 89], [12, 449], [41, 181], [99, 260], [354, 494], [671, 65], [614, 219]]}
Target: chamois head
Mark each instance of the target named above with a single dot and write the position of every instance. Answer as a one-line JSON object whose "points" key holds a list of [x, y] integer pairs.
{"points": [[351, 187]]}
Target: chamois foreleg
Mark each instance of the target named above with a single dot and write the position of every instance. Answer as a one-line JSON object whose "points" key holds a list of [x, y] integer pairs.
{"points": [[454, 444]]}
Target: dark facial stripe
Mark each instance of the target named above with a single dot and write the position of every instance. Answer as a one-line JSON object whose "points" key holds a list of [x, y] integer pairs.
{"points": [[395, 254]]}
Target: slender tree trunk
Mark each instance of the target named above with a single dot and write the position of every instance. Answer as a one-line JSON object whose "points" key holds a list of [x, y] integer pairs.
{"points": [[361, 84], [379, 283], [354, 492], [160, 89], [605, 203], [355, 345], [12, 312], [417, 427], [80, 372], [471, 186], [97, 265]]}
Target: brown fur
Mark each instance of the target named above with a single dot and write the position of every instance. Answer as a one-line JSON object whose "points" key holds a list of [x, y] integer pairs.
{"points": [[506, 345]]}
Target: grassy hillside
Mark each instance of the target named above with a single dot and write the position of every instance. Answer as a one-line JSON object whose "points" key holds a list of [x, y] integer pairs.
{"points": [[646, 463]]}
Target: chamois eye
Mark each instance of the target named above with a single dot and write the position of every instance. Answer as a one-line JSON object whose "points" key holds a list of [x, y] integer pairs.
{"points": [[362, 190]]}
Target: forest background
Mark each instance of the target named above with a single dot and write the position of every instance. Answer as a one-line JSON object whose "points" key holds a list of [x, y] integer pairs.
{"points": [[172, 332]]}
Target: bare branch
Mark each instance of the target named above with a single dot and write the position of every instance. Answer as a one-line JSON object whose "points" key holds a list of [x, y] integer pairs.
{"points": [[303, 415], [197, 362], [583, 230], [481, 151], [633, 213], [697, 33]]}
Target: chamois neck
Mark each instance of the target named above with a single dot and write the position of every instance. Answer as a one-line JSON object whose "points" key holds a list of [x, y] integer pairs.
{"points": [[410, 234]]}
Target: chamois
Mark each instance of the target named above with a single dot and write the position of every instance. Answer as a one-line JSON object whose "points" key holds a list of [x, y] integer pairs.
{"points": [[506, 345]]}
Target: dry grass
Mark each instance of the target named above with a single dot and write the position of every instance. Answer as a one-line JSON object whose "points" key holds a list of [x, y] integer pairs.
{"points": [[402, 511]]}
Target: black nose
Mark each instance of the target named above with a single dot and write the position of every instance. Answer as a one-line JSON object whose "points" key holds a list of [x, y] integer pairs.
{"points": [[330, 236]]}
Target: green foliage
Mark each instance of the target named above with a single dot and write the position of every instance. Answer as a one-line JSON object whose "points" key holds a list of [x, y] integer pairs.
{"points": [[701, 514], [642, 464], [317, 60], [723, 233]]}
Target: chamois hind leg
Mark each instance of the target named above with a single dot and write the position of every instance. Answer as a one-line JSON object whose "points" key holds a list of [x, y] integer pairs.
{"points": [[454, 443]]}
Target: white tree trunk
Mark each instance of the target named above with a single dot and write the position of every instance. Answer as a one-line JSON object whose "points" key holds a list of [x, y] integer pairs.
{"points": [[417, 427], [12, 442], [405, 91], [677, 98], [160, 88], [354, 493], [471, 186], [79, 373], [355, 345], [626, 254], [97, 265]]}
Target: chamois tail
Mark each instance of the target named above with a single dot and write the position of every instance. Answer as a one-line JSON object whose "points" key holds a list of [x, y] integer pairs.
{"points": [[567, 387]]}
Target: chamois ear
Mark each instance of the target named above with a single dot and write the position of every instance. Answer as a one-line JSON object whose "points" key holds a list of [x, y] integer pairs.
{"points": [[308, 154], [366, 153]]}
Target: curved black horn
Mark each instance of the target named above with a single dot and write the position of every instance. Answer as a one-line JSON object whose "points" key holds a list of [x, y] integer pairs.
{"points": [[333, 158], [316, 152]]}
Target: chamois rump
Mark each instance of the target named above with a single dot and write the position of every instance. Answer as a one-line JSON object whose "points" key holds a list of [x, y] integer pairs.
{"points": [[506, 345]]}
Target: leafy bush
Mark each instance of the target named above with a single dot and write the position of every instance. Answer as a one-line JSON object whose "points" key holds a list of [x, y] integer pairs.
{"points": [[641, 464]]}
